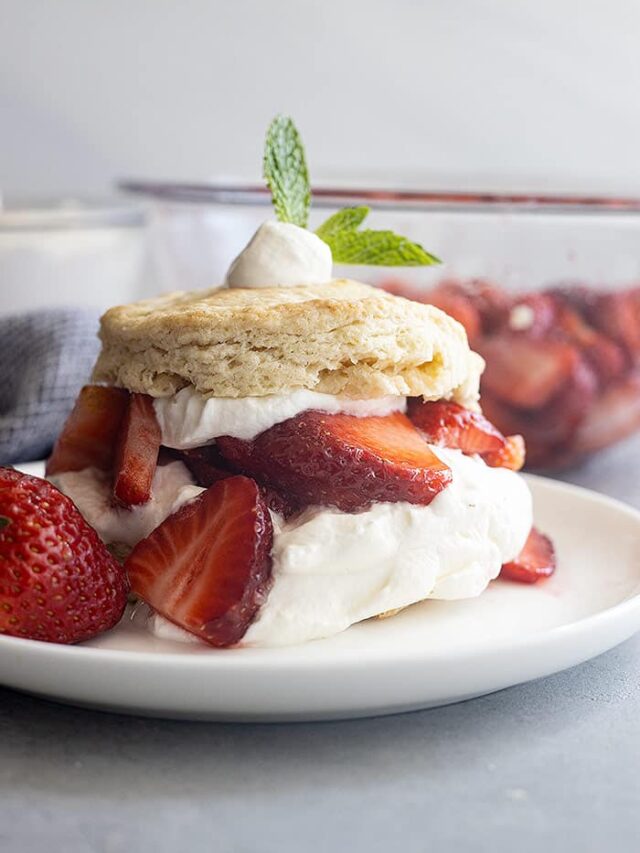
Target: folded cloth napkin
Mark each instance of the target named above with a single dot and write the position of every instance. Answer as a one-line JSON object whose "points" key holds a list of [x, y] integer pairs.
{"points": [[46, 357]]}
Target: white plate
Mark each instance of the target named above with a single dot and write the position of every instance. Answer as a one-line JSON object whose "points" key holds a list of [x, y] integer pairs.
{"points": [[431, 654]]}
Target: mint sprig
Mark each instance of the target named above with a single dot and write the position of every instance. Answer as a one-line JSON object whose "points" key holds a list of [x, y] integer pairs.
{"points": [[347, 219], [285, 171], [378, 249], [373, 248]]}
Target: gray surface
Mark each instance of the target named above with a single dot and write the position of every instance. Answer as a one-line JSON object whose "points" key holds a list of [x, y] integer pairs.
{"points": [[548, 766]]}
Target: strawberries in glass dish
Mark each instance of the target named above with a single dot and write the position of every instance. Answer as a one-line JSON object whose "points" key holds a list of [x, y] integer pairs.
{"points": [[526, 372], [563, 365]]}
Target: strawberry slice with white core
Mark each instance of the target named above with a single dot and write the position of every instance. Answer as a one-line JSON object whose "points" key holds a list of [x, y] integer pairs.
{"points": [[207, 567], [89, 437], [537, 560], [617, 315], [341, 460], [137, 453], [451, 425]]}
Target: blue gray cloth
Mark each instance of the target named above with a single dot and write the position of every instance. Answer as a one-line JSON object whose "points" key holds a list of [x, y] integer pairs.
{"points": [[46, 356]]}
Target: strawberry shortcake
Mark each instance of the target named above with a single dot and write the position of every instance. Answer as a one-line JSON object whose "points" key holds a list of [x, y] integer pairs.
{"points": [[286, 455]]}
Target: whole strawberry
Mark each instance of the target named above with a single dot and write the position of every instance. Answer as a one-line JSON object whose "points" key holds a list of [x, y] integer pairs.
{"points": [[58, 582]]}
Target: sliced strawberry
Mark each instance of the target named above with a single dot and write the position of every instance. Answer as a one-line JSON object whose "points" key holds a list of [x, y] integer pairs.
{"points": [[458, 305], [617, 315], [341, 460], [207, 465], [207, 567], [137, 453], [556, 422], [88, 438], [277, 502], [512, 455], [549, 430], [398, 287], [518, 422], [478, 305], [526, 372], [451, 425], [536, 560], [614, 416], [576, 296], [605, 357], [533, 315], [492, 303]]}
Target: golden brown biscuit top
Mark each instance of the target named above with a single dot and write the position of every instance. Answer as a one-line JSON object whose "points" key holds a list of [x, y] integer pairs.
{"points": [[342, 337]]}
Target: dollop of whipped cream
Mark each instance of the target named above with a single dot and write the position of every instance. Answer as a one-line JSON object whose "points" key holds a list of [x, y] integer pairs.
{"points": [[332, 569], [187, 419], [90, 490], [281, 255]]}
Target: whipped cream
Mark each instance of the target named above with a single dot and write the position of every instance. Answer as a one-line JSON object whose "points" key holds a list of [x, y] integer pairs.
{"points": [[90, 490], [281, 255], [187, 419], [332, 569], [521, 317]]}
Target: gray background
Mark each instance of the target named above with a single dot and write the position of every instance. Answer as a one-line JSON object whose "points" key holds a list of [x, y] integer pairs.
{"points": [[484, 93], [548, 766]]}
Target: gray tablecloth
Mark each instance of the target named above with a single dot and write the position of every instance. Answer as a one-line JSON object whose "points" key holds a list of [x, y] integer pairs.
{"points": [[46, 357], [546, 767]]}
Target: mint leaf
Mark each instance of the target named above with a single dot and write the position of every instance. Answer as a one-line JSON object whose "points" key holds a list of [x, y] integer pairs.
{"points": [[377, 248], [347, 219], [286, 174], [285, 171]]}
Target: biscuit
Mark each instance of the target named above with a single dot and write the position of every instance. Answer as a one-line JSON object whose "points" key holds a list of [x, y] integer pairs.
{"points": [[342, 338]]}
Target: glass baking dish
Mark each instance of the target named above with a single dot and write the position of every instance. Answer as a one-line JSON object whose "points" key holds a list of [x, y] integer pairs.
{"points": [[513, 245], [70, 252], [522, 241]]}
